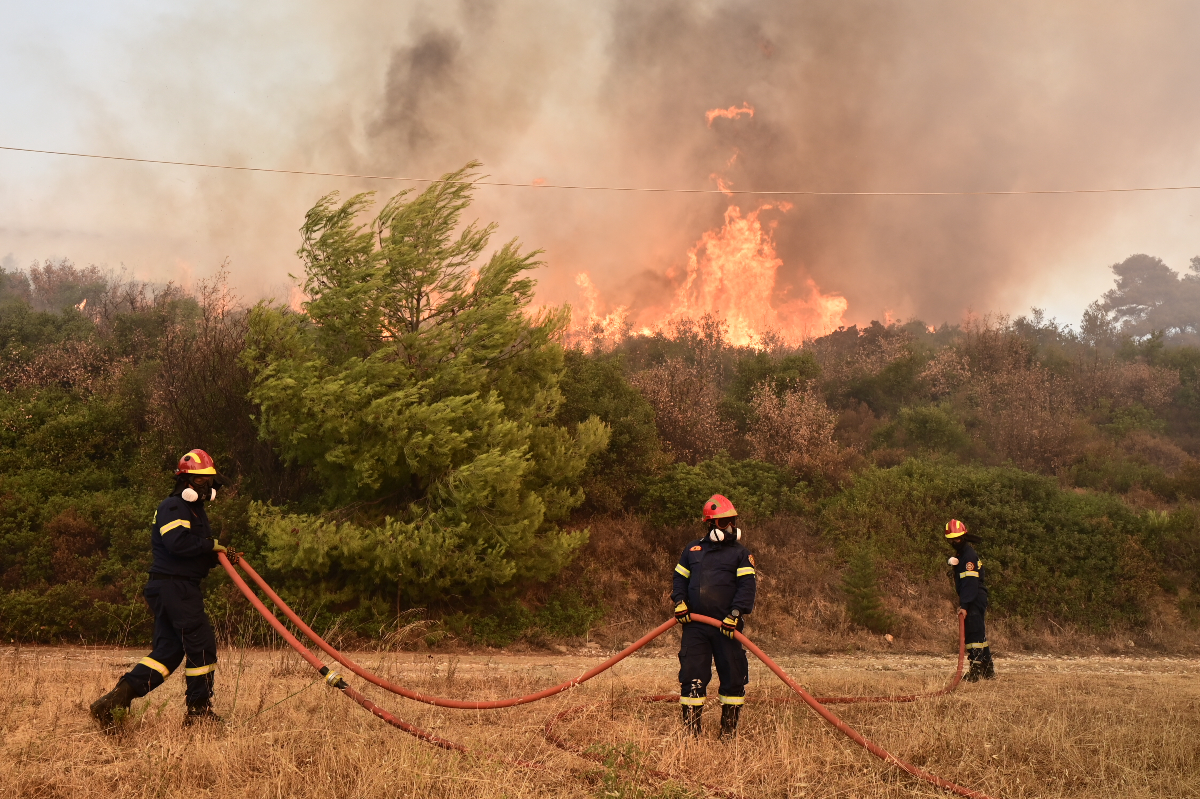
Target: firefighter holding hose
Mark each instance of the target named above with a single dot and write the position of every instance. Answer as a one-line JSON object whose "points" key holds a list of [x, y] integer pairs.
{"points": [[714, 577], [184, 552], [966, 570]]}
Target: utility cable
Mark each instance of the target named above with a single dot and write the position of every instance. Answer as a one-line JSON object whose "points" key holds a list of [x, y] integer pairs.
{"points": [[636, 189]]}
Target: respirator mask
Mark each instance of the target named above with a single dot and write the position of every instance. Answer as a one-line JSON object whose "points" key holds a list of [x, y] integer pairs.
{"points": [[204, 488], [720, 535], [189, 494]]}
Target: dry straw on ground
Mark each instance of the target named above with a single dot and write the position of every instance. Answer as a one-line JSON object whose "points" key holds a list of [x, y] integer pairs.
{"points": [[1048, 727]]}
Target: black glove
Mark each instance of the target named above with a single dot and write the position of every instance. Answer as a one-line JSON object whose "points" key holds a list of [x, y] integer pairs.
{"points": [[682, 614]]}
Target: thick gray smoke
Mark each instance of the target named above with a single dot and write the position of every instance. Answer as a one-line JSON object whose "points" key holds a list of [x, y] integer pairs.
{"points": [[847, 96], [853, 96]]}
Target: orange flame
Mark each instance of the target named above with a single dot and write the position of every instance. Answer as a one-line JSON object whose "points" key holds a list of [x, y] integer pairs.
{"points": [[591, 328], [731, 273], [722, 186], [732, 112]]}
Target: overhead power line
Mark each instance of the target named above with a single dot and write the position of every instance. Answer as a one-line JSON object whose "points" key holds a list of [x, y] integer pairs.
{"points": [[643, 189]]}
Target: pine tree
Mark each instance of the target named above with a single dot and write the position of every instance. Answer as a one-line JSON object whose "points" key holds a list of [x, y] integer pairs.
{"points": [[422, 395], [863, 600]]}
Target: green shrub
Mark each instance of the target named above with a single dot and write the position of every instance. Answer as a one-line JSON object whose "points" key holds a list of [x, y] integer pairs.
{"points": [[594, 386], [864, 603], [931, 428], [1049, 552], [756, 489], [569, 612]]}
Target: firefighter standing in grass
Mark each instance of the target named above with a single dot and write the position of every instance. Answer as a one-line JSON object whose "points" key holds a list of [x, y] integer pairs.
{"points": [[966, 570], [714, 577], [184, 552]]}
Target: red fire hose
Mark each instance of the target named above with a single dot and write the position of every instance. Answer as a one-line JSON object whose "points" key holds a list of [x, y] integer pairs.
{"points": [[408, 693], [334, 679]]}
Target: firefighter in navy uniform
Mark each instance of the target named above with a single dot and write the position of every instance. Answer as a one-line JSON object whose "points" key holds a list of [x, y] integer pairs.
{"points": [[184, 552], [714, 577], [966, 570]]}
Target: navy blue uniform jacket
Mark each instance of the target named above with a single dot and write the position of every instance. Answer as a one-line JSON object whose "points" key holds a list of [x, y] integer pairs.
{"points": [[715, 578], [968, 577], [181, 540]]}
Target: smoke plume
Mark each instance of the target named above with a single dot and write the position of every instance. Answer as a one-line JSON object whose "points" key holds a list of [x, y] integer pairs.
{"points": [[846, 96]]}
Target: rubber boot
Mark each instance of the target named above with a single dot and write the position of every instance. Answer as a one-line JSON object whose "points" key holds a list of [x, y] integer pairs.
{"points": [[729, 720], [691, 720], [109, 710], [201, 714], [989, 668], [975, 673]]}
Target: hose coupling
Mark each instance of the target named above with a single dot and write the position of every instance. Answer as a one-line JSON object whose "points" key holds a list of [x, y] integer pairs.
{"points": [[333, 678]]}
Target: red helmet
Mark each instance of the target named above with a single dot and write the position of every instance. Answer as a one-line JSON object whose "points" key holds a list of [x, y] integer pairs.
{"points": [[955, 528], [718, 507], [196, 462]]}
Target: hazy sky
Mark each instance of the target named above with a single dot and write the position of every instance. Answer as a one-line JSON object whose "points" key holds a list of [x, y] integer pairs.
{"points": [[928, 95]]}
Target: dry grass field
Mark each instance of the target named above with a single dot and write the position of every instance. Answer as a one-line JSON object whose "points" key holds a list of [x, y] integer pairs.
{"points": [[1047, 727]]}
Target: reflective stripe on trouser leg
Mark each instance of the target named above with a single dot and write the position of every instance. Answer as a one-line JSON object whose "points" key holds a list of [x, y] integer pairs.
{"points": [[731, 700], [154, 664], [200, 670], [732, 667], [691, 701], [152, 670], [695, 662]]}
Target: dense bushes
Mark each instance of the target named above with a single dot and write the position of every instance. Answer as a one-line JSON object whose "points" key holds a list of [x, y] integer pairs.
{"points": [[419, 437], [1051, 552]]}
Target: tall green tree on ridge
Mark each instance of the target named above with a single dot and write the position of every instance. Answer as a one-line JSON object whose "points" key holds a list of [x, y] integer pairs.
{"points": [[422, 395]]}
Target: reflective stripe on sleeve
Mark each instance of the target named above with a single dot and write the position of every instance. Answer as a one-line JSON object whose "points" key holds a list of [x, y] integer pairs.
{"points": [[199, 670], [742, 572], [693, 701], [169, 526], [978, 646], [683, 570], [154, 664], [968, 574]]}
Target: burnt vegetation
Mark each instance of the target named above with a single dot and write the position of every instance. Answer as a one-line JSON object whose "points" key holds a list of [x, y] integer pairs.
{"points": [[1074, 452]]}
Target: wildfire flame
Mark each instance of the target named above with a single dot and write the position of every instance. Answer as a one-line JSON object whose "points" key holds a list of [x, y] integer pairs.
{"points": [[732, 274], [591, 327], [722, 186], [732, 112]]}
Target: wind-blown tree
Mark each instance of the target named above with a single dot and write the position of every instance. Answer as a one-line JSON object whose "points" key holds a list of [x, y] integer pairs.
{"points": [[422, 395], [1151, 296]]}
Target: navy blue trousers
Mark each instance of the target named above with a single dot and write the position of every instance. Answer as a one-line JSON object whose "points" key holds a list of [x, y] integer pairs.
{"points": [[975, 632], [181, 633], [700, 648]]}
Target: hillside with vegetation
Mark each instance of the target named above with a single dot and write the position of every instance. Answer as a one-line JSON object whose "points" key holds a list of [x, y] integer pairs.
{"points": [[423, 458]]}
